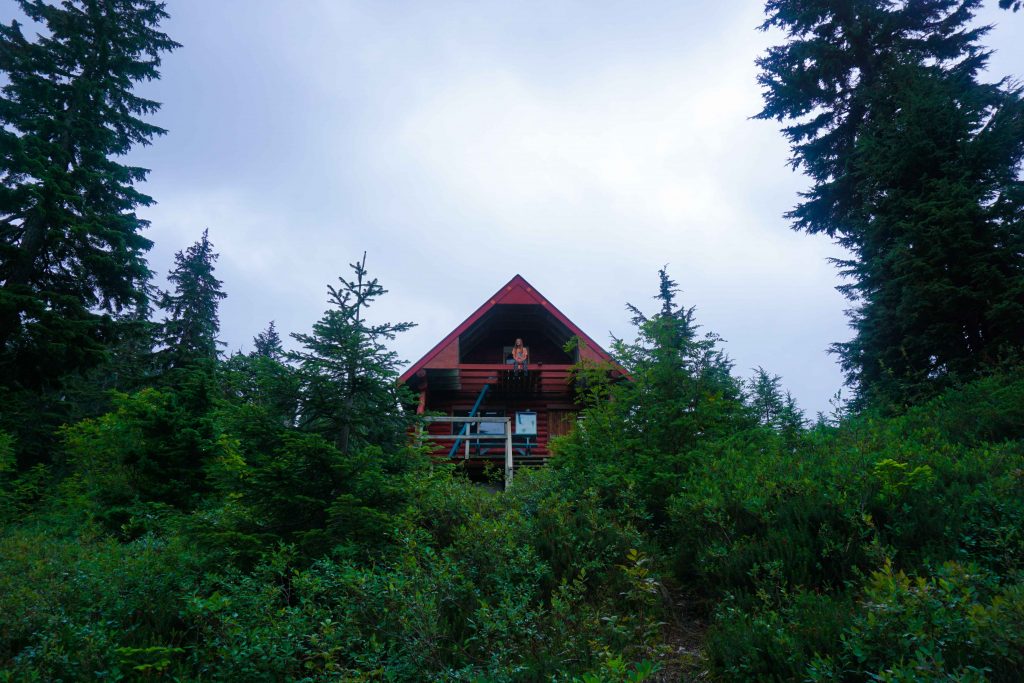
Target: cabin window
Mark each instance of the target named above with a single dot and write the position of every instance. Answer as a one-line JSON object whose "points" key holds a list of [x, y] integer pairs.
{"points": [[480, 427]]}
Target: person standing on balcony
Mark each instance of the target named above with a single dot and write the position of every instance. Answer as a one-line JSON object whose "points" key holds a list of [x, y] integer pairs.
{"points": [[520, 358]]}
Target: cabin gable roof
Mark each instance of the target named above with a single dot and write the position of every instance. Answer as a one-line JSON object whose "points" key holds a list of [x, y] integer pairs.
{"points": [[516, 291]]}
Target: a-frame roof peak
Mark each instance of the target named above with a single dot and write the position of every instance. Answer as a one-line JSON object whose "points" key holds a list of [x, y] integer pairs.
{"points": [[517, 291]]}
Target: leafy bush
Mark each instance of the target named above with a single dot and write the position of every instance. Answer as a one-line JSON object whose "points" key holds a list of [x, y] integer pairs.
{"points": [[956, 624], [466, 585], [834, 508], [152, 448], [785, 538], [18, 491], [775, 639], [83, 606], [467, 591]]}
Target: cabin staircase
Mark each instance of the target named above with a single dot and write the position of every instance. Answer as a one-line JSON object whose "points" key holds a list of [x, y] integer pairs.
{"points": [[498, 387], [465, 427]]}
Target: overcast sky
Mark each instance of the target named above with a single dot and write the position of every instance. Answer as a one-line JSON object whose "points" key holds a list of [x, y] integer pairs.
{"points": [[581, 144]]}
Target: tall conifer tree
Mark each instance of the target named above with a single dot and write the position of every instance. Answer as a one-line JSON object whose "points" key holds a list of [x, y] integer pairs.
{"points": [[640, 437], [915, 165], [190, 332], [71, 252], [682, 388], [772, 407], [268, 343], [350, 393]]}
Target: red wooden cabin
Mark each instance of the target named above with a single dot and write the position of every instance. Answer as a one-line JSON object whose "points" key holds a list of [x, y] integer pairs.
{"points": [[468, 374]]}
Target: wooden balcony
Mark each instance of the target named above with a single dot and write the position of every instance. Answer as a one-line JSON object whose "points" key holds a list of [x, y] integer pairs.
{"points": [[538, 380]]}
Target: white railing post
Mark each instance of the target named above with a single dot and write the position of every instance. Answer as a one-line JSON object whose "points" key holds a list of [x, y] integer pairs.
{"points": [[508, 453]]}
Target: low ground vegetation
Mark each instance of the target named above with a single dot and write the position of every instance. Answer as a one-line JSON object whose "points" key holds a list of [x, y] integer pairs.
{"points": [[198, 531]]}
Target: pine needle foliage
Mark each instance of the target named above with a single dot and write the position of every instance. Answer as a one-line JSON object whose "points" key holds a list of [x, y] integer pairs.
{"points": [[635, 439], [915, 166], [268, 343], [71, 249], [682, 379], [189, 333], [773, 407], [350, 393]]}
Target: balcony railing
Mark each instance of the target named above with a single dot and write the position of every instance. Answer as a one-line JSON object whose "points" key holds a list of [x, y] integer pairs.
{"points": [[545, 378], [505, 436]]}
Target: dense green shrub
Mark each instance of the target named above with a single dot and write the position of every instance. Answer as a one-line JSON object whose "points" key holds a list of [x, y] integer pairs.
{"points": [[774, 640], [18, 490], [957, 623], [467, 584], [476, 585], [278, 484], [82, 606], [834, 508], [785, 538], [152, 448]]}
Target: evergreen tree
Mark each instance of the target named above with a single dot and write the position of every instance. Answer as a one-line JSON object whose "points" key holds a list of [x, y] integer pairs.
{"points": [[130, 364], [190, 331], [773, 408], [915, 166], [350, 394], [71, 252], [133, 358], [262, 381], [764, 395], [682, 388], [268, 343], [638, 438]]}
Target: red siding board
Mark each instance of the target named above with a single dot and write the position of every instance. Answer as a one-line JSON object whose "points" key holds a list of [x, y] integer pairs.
{"points": [[447, 357]]}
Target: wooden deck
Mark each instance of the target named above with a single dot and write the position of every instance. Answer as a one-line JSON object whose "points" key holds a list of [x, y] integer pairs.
{"points": [[538, 379], [538, 389]]}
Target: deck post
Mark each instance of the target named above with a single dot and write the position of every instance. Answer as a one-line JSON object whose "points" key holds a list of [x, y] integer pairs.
{"points": [[508, 453]]}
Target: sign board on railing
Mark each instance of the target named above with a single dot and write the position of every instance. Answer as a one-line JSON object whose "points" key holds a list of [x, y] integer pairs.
{"points": [[526, 423]]}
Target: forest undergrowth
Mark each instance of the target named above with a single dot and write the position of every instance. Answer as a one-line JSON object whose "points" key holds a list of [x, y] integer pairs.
{"points": [[874, 547], [169, 511]]}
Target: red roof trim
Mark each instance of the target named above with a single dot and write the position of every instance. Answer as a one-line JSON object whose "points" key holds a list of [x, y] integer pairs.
{"points": [[516, 284]]}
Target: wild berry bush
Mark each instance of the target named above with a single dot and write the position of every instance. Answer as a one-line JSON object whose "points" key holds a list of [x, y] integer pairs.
{"points": [[82, 605], [515, 586], [812, 550], [467, 585], [958, 622]]}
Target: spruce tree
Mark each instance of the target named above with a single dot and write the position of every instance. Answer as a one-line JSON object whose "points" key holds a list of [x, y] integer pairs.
{"points": [[682, 389], [773, 408], [262, 382], [638, 438], [268, 343], [189, 333], [915, 164], [350, 394], [71, 252], [764, 396]]}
